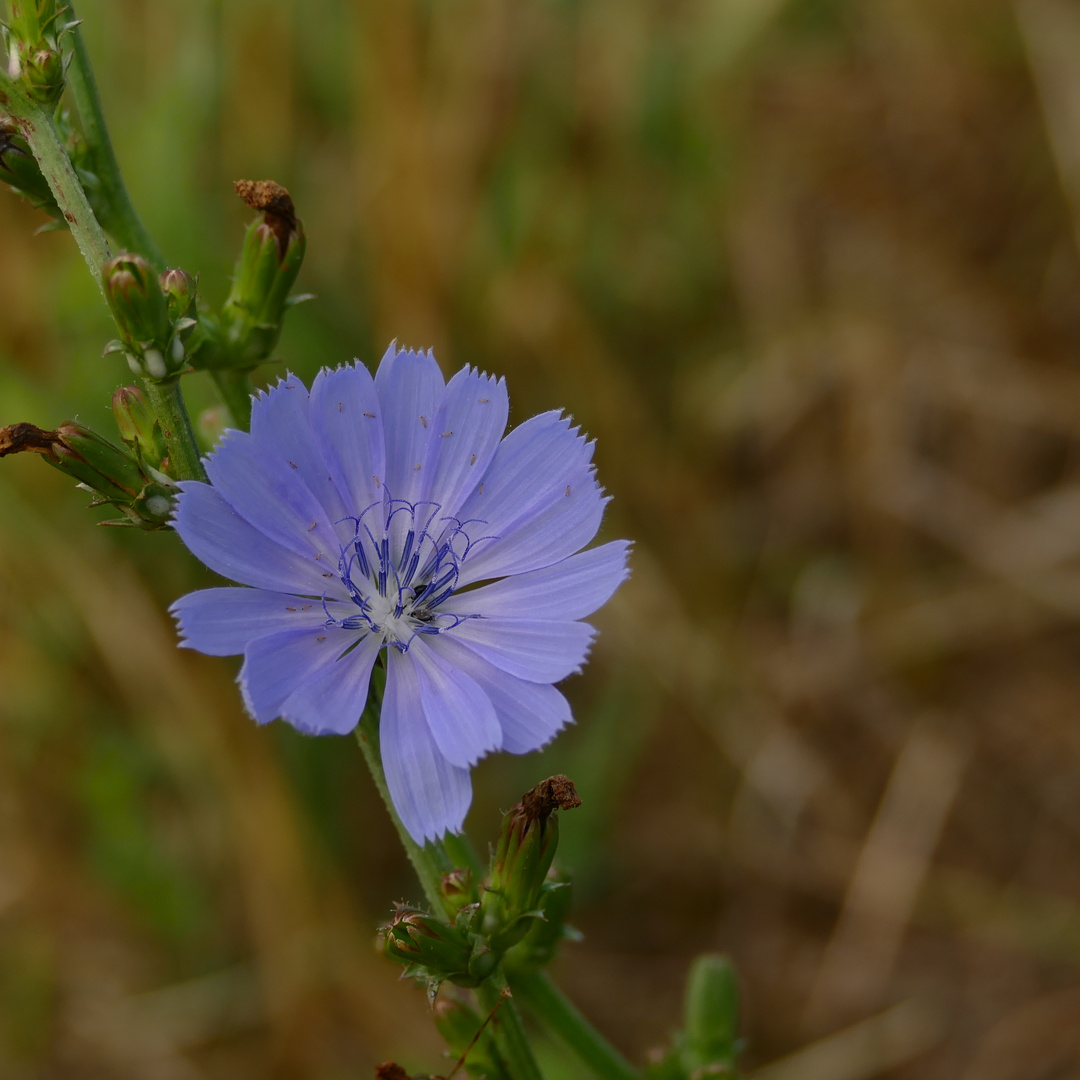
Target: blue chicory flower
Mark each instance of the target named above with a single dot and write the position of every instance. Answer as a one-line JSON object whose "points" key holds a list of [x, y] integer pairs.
{"points": [[391, 514]]}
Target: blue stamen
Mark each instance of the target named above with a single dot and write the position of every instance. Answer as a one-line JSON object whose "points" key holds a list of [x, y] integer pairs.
{"points": [[406, 551], [384, 563], [423, 579]]}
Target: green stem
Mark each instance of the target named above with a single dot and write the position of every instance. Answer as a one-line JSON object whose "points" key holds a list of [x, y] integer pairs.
{"points": [[168, 404], [537, 992], [118, 212], [235, 389], [547, 1003], [510, 1038], [430, 861], [36, 125]]}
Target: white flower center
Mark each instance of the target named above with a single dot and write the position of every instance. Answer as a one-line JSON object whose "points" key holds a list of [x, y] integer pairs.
{"points": [[401, 564]]}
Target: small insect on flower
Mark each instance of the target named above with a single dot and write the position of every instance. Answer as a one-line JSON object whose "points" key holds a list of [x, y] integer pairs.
{"points": [[358, 530]]}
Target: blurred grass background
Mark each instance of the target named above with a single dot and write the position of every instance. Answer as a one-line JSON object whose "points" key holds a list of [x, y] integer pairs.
{"points": [[808, 270]]}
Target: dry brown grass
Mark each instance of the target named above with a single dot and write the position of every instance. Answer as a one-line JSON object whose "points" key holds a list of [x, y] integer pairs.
{"points": [[809, 272]]}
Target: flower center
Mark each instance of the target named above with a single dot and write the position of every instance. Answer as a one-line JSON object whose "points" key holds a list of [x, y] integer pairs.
{"points": [[402, 562]]}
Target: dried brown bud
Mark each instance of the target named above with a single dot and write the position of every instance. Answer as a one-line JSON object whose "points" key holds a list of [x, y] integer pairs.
{"points": [[555, 793], [145, 496], [26, 438], [276, 204], [522, 858]]}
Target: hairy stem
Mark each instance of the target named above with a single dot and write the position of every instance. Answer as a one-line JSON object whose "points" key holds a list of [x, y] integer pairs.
{"points": [[168, 404], [547, 1003], [36, 126], [118, 213]]}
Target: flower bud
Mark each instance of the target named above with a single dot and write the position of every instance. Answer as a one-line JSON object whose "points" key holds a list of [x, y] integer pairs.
{"points": [[136, 299], [522, 858], [143, 494], [43, 75], [414, 937], [34, 53], [711, 1014], [179, 289], [96, 462], [151, 341], [138, 425], [249, 325], [458, 889]]}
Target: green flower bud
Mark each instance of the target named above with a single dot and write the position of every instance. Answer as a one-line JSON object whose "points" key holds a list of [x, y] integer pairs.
{"points": [[43, 75], [249, 326], [458, 889], [711, 1014], [522, 858], [153, 344], [179, 289], [142, 493], [34, 53], [107, 469], [138, 425], [414, 937], [136, 299]]}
